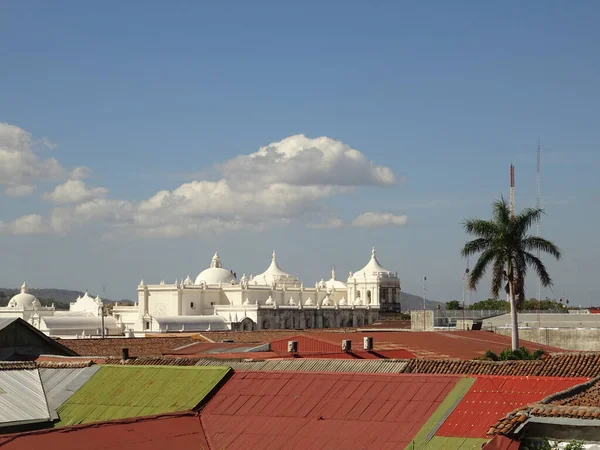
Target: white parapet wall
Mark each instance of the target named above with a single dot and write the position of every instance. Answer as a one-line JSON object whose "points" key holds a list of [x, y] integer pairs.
{"points": [[421, 320]]}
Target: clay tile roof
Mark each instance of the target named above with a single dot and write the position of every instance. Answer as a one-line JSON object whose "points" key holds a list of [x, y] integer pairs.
{"points": [[149, 346], [17, 365]]}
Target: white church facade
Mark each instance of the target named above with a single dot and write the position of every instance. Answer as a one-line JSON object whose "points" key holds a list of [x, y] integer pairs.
{"points": [[217, 300]]}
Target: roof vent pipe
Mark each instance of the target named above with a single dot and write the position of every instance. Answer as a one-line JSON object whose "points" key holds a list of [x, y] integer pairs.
{"points": [[368, 344], [124, 354], [347, 345], [293, 346]]}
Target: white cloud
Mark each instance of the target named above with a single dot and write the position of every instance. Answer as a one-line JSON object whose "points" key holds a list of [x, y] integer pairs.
{"points": [[301, 161], [22, 190], [19, 165], [74, 191], [29, 224], [79, 173], [374, 219], [333, 222], [282, 182]]}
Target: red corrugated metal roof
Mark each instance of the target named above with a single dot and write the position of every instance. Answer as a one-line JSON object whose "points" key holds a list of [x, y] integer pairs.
{"points": [[491, 398], [431, 344], [273, 410], [181, 431]]}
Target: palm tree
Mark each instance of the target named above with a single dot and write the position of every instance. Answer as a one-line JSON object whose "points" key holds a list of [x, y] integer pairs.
{"points": [[504, 243]]}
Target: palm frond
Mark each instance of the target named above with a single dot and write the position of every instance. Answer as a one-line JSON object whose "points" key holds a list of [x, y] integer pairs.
{"points": [[526, 218], [497, 275], [539, 267], [482, 228], [501, 212], [480, 267], [476, 246], [544, 245]]}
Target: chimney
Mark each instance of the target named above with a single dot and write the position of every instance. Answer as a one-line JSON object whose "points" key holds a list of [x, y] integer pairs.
{"points": [[347, 345], [124, 354], [368, 344], [293, 347]]}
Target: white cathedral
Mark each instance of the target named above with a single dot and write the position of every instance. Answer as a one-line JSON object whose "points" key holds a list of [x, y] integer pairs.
{"points": [[216, 300], [274, 299]]}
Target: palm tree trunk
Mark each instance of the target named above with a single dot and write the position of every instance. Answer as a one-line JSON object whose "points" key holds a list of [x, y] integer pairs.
{"points": [[513, 317]]}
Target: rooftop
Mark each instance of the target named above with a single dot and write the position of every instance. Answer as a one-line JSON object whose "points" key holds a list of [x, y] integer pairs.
{"points": [[436, 345], [581, 401], [178, 431], [131, 391], [148, 346], [302, 410]]}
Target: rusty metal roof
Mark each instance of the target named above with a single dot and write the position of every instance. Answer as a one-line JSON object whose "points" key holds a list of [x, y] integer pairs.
{"points": [[132, 391], [177, 431], [491, 398], [318, 410]]}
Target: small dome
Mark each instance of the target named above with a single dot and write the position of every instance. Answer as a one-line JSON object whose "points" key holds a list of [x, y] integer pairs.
{"points": [[326, 301], [343, 302], [335, 285], [308, 302], [292, 302], [24, 300], [215, 274], [269, 301]]}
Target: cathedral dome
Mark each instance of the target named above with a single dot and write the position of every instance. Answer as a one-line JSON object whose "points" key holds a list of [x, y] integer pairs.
{"points": [[215, 274], [335, 285], [24, 300], [372, 270], [275, 275]]}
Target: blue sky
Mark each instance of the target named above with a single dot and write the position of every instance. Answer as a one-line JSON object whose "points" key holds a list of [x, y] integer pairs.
{"points": [[150, 96]]}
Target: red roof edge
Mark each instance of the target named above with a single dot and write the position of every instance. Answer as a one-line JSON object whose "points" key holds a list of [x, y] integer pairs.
{"points": [[9, 437]]}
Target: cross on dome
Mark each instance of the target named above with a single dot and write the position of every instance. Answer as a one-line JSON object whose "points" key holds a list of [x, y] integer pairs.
{"points": [[273, 256]]}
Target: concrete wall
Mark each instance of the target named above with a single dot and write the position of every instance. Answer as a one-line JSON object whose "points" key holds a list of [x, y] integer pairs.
{"points": [[416, 320], [581, 339]]}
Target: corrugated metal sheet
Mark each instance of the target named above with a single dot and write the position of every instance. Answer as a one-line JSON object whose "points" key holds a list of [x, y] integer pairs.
{"points": [[491, 398], [313, 365], [425, 434], [452, 443], [22, 398], [115, 392], [61, 384], [158, 433], [279, 410]]}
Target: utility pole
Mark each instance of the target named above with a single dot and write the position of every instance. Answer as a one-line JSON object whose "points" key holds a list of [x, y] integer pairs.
{"points": [[101, 308], [424, 304]]}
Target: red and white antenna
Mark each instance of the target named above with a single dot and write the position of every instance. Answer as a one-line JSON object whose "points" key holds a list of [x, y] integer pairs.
{"points": [[512, 192]]}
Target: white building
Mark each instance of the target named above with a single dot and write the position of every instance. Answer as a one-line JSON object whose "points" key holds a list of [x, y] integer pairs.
{"points": [[274, 299], [82, 319]]}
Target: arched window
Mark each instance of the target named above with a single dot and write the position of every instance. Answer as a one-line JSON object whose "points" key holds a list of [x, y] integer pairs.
{"points": [[265, 324], [192, 305], [368, 296]]}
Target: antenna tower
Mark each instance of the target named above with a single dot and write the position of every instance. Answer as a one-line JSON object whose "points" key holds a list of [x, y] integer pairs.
{"points": [[538, 205], [512, 192]]}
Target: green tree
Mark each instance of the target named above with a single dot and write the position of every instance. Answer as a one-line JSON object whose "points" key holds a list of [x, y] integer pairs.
{"points": [[504, 243], [453, 305]]}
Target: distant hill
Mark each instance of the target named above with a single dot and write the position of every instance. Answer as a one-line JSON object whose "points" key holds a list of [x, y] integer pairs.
{"points": [[60, 297], [410, 302]]}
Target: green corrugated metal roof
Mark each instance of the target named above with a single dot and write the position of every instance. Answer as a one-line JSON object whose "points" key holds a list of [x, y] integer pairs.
{"points": [[452, 443], [117, 392], [458, 391]]}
